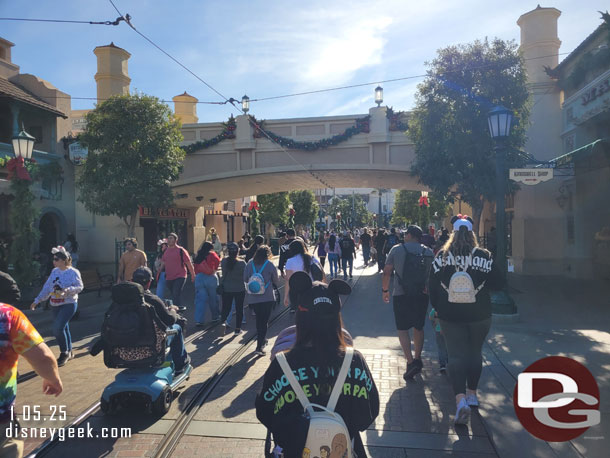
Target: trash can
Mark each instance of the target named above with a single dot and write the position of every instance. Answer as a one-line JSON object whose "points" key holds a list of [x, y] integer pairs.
{"points": [[274, 244]]}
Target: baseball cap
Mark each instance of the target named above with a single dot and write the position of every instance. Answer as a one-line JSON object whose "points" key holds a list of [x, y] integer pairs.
{"points": [[142, 275], [317, 297], [415, 231]]}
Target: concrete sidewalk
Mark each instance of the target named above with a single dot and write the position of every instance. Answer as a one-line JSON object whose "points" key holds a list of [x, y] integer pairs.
{"points": [[558, 317]]}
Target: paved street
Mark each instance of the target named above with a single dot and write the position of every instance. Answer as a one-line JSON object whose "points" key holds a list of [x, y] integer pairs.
{"points": [[415, 419]]}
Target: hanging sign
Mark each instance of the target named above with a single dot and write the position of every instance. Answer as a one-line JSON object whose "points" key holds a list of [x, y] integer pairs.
{"points": [[77, 153], [531, 176]]}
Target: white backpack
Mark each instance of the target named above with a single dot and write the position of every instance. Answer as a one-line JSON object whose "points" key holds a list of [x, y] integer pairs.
{"points": [[461, 288], [326, 427], [256, 282]]}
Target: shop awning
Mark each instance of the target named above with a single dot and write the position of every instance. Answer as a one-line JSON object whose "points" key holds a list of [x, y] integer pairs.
{"points": [[582, 152]]}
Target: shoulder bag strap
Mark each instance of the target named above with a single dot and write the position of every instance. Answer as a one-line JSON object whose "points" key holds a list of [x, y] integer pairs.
{"points": [[338, 388], [296, 387]]}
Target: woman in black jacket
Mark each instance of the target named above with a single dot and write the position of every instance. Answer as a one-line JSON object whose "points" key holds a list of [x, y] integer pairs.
{"points": [[460, 279], [317, 357]]}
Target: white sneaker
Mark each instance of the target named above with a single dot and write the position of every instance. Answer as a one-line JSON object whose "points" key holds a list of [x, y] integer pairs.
{"points": [[472, 400], [462, 415]]}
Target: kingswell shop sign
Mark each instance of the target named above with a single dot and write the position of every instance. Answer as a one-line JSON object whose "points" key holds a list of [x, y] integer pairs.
{"points": [[530, 176]]}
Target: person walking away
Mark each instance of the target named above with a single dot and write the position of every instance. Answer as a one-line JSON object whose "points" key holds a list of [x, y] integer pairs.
{"points": [[441, 345], [72, 246], [411, 262], [259, 240], [300, 261], [247, 238], [460, 280], [390, 241], [176, 261], [130, 260], [232, 286], [217, 244], [381, 238], [317, 356], [206, 283], [322, 250], [62, 288], [19, 338], [169, 316], [365, 243], [333, 252], [262, 304], [348, 252], [159, 270], [285, 250]]}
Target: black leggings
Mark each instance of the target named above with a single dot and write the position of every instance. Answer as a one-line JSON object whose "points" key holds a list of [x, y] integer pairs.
{"points": [[464, 344], [227, 301], [263, 312]]}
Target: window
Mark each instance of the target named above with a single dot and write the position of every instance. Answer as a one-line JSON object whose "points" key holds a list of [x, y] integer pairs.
{"points": [[36, 131]]}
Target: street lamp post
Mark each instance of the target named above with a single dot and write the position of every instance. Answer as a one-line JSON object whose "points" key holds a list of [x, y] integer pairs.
{"points": [[500, 120], [23, 211], [23, 145], [378, 96]]}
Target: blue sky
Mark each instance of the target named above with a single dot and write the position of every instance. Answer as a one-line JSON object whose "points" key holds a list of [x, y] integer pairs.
{"points": [[268, 48]]}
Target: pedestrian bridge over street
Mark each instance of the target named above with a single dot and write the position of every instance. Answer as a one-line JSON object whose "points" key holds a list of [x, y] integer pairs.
{"points": [[371, 152]]}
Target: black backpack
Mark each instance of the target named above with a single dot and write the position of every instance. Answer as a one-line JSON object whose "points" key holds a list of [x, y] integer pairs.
{"points": [[130, 321], [413, 279]]}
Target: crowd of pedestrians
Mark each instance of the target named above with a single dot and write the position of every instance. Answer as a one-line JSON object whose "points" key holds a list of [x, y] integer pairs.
{"points": [[445, 277]]}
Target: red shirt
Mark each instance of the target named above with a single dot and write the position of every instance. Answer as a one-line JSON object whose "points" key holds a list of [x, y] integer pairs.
{"points": [[175, 265], [212, 260]]}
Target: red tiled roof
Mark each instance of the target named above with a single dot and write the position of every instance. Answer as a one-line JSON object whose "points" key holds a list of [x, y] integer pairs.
{"points": [[13, 91]]}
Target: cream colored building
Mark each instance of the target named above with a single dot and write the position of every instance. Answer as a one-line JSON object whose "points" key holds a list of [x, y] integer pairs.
{"points": [[554, 224], [29, 102]]}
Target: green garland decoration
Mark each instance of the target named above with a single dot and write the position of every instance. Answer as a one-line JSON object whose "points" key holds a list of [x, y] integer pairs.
{"points": [[228, 132], [362, 126], [396, 122]]}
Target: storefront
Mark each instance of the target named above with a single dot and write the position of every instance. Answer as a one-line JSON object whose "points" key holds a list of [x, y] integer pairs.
{"points": [[159, 222]]}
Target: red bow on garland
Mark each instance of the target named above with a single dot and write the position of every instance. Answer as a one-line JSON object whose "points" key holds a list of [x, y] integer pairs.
{"points": [[423, 201], [17, 166], [253, 205], [292, 212]]}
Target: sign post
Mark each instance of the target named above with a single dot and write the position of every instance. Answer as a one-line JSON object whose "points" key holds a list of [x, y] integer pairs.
{"points": [[531, 177]]}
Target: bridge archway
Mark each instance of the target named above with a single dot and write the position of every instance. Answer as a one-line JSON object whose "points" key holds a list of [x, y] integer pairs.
{"points": [[245, 165]]}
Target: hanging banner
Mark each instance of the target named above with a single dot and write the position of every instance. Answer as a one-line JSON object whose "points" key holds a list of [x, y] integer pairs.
{"points": [[78, 154], [531, 176]]}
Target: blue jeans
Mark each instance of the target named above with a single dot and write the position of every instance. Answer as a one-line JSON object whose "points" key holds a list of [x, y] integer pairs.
{"points": [[176, 346], [345, 262], [205, 293], [333, 261], [366, 253], [175, 288], [442, 348], [61, 327], [161, 286]]}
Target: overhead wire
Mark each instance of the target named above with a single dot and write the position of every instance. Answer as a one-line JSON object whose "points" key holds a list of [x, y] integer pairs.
{"points": [[115, 22], [231, 100]]}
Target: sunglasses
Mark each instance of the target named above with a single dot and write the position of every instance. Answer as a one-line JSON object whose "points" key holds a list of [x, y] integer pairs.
{"points": [[57, 259]]}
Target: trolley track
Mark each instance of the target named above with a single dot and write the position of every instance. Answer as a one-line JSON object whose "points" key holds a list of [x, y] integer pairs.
{"points": [[46, 447], [177, 430]]}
